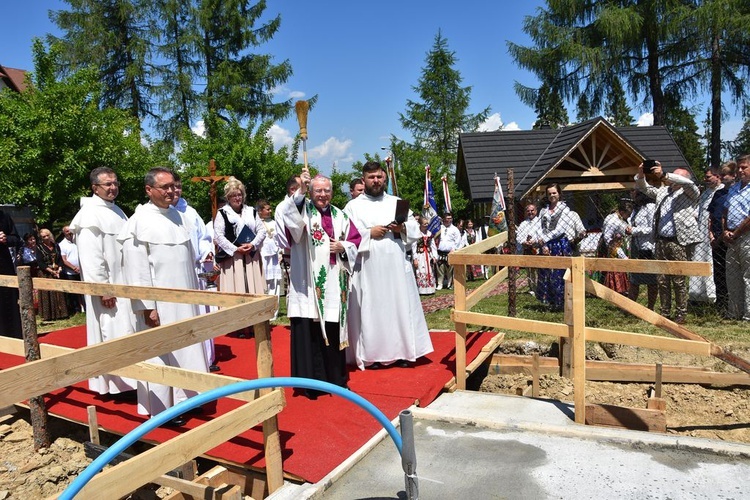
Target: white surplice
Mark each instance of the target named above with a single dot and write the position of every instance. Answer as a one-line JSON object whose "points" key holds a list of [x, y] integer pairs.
{"points": [[386, 320], [703, 288], [96, 226], [158, 252]]}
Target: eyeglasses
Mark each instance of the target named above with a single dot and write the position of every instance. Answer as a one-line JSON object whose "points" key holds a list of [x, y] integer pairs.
{"points": [[108, 184], [168, 187]]}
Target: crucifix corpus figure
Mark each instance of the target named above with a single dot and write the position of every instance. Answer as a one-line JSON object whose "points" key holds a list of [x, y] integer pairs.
{"points": [[212, 179]]}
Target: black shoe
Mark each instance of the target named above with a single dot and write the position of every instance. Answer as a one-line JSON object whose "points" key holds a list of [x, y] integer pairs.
{"points": [[124, 396], [312, 394], [402, 363], [214, 368], [176, 422], [375, 366]]}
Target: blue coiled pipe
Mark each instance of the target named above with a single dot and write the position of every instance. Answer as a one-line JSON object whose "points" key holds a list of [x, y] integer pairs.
{"points": [[248, 385]]}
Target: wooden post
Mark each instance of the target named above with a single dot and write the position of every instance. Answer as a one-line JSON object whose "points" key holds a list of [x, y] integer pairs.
{"points": [[93, 424], [271, 438], [511, 220], [578, 277], [535, 375], [657, 380], [212, 179], [459, 300], [37, 407]]}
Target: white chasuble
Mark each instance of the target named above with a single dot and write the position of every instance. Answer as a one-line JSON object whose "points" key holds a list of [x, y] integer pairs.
{"points": [[386, 320]]}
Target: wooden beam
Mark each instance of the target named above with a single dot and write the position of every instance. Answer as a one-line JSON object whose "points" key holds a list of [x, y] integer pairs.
{"points": [[697, 347], [508, 323], [165, 375], [482, 246], [123, 478], [579, 338], [672, 267], [628, 418], [487, 351], [613, 371], [485, 288], [45, 375], [600, 186], [503, 260], [459, 299]]}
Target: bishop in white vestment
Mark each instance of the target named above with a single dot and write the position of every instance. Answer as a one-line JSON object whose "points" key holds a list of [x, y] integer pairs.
{"points": [[96, 226], [386, 320], [323, 250], [158, 252]]}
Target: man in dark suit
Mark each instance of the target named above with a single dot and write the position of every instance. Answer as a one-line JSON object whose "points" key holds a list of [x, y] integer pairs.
{"points": [[675, 230]]}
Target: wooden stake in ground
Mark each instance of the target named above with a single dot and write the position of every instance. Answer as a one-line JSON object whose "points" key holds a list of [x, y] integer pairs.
{"points": [[212, 179], [37, 407]]}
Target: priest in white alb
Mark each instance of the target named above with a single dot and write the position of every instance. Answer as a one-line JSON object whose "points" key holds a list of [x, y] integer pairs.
{"points": [[96, 226], [386, 320], [323, 245], [158, 252]]}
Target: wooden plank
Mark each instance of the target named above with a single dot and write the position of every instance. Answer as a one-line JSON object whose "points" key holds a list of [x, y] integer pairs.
{"points": [[699, 348], [511, 364], [675, 267], [149, 465], [485, 288], [600, 186], [93, 424], [165, 375], [271, 437], [535, 375], [579, 338], [655, 403], [182, 296], [508, 323], [504, 260], [459, 294], [487, 351], [45, 375], [628, 418], [482, 246]]}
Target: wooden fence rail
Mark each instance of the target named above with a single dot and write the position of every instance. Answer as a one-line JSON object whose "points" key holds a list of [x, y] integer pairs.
{"points": [[574, 328], [61, 367]]}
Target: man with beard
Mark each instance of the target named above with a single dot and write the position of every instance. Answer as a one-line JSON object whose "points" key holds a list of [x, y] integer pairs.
{"points": [[386, 321], [158, 252]]}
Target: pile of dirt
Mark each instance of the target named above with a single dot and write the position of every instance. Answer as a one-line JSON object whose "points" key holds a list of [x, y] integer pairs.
{"points": [[25, 473]]}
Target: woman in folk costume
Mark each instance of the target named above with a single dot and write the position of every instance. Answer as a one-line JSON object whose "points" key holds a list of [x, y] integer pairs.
{"points": [[239, 233], [558, 229], [469, 237], [424, 258], [270, 252], [323, 245], [616, 231]]}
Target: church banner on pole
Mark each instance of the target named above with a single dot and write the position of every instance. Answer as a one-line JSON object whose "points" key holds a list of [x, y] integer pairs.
{"points": [[429, 207]]}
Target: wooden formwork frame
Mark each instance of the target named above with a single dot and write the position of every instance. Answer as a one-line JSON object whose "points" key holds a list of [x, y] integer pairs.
{"points": [[61, 367], [574, 328]]}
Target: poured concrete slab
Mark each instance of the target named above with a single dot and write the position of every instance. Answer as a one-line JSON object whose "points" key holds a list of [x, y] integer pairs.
{"points": [[479, 445]]}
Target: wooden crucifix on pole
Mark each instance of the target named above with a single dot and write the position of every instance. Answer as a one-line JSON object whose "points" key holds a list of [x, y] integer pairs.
{"points": [[212, 179]]}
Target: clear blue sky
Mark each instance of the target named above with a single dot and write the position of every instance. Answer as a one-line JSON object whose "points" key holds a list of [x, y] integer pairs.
{"points": [[362, 60]]}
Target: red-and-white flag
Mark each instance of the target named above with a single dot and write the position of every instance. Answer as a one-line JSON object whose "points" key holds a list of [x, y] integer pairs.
{"points": [[447, 195]]}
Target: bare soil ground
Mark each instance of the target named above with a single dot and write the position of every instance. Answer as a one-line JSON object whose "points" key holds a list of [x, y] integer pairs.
{"points": [[692, 410]]}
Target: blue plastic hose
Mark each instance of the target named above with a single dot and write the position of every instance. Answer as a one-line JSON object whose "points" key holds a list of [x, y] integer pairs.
{"points": [[206, 397]]}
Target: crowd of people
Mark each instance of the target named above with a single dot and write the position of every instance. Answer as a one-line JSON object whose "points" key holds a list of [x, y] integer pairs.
{"points": [[352, 275]]}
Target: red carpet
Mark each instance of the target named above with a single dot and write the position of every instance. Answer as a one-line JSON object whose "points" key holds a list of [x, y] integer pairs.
{"points": [[316, 436]]}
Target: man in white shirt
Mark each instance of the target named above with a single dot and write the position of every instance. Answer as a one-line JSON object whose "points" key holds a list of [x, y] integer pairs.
{"points": [[450, 240], [71, 268], [526, 237]]}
